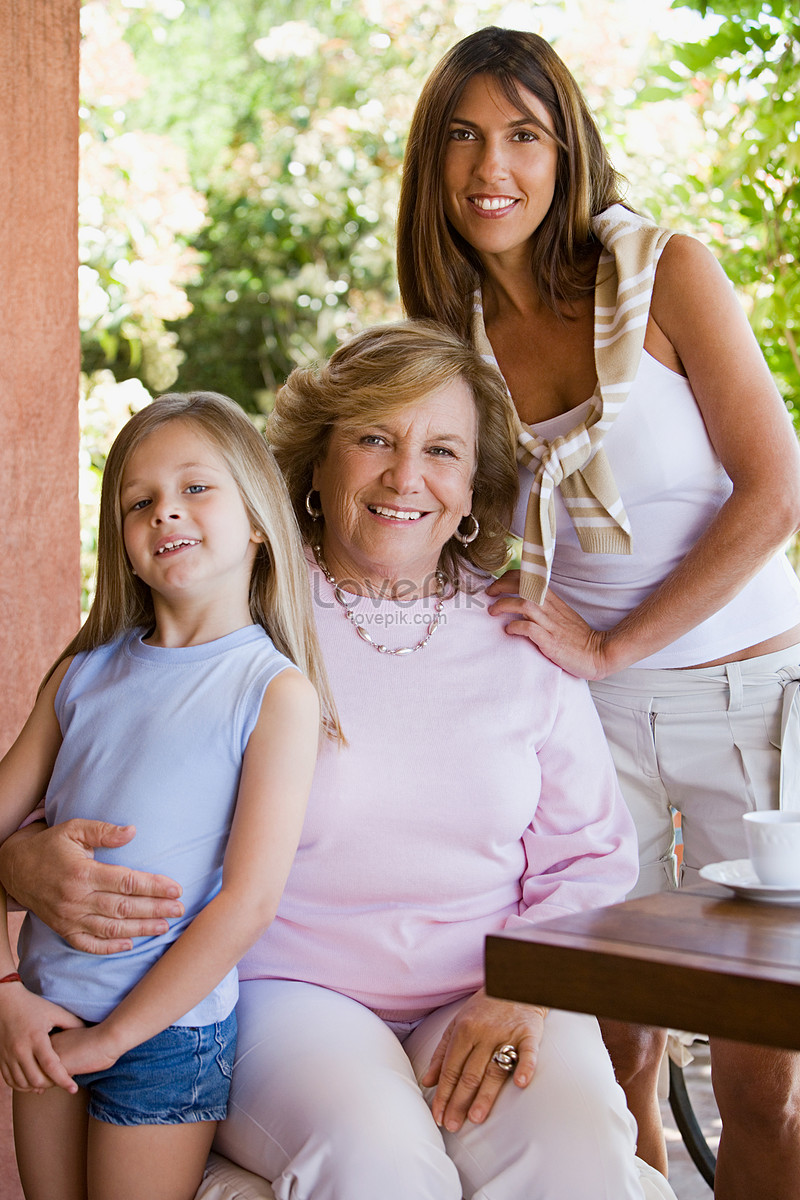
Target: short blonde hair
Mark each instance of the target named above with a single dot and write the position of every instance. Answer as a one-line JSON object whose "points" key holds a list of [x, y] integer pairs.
{"points": [[280, 597], [382, 371]]}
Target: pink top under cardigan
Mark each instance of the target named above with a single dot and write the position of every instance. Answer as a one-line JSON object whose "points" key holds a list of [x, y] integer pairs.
{"points": [[476, 794]]}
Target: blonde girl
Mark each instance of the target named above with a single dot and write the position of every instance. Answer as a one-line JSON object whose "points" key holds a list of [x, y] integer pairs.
{"points": [[177, 709]]}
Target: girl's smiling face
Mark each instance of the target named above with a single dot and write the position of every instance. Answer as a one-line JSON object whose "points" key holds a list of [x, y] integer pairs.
{"points": [[393, 492], [184, 523], [499, 169]]}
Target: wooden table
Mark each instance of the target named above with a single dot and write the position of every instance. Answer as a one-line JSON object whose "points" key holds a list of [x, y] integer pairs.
{"points": [[699, 959]]}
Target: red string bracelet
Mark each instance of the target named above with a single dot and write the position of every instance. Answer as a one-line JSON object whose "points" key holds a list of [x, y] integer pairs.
{"points": [[12, 978]]}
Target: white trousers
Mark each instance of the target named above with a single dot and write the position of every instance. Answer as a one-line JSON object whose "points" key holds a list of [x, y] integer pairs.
{"points": [[326, 1105], [713, 744]]}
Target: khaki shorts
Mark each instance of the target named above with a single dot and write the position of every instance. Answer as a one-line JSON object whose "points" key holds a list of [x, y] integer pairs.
{"points": [[712, 744]]}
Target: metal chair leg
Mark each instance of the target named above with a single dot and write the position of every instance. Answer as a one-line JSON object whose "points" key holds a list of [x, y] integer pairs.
{"points": [[694, 1140]]}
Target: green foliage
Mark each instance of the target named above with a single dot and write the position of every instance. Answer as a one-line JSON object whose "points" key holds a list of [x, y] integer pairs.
{"points": [[284, 125], [293, 119], [240, 164], [135, 206], [744, 80]]}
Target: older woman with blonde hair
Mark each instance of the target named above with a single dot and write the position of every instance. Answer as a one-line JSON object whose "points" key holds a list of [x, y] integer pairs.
{"points": [[475, 794]]}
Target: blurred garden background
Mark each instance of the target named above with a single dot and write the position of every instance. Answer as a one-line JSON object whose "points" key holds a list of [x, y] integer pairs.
{"points": [[240, 164]]}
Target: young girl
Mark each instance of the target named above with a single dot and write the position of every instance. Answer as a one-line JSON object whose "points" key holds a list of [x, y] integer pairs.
{"points": [[173, 709]]}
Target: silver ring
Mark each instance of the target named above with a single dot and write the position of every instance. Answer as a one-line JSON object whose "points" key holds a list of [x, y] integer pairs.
{"points": [[506, 1057]]}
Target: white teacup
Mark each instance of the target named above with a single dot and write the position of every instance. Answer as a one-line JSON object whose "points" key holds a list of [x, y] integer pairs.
{"points": [[773, 841]]}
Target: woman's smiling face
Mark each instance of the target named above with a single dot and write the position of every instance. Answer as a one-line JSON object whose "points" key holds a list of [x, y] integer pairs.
{"points": [[499, 169], [393, 492]]}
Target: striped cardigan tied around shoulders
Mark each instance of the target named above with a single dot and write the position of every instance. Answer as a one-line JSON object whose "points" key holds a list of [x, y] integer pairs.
{"points": [[577, 463]]}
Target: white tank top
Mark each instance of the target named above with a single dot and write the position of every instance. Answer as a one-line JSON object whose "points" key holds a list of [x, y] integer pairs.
{"points": [[672, 485]]}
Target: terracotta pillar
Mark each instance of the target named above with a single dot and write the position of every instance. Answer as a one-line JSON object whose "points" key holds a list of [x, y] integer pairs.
{"points": [[39, 345]]}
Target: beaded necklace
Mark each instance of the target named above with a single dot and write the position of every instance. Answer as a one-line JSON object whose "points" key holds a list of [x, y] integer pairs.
{"points": [[433, 624]]}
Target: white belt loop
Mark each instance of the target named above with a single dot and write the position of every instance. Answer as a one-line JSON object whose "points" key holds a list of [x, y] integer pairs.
{"points": [[734, 672], [789, 795]]}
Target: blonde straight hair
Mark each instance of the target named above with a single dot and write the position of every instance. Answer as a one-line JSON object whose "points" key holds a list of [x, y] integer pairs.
{"points": [[280, 596]]}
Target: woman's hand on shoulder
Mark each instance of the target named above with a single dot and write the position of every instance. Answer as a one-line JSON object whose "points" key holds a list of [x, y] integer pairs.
{"points": [[556, 629], [466, 1079]]}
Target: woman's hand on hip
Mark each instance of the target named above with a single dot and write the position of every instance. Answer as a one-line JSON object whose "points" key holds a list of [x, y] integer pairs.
{"points": [[559, 632], [467, 1081], [96, 907]]}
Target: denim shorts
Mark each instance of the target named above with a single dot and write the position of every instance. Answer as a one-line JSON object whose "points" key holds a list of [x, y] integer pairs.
{"points": [[177, 1077]]}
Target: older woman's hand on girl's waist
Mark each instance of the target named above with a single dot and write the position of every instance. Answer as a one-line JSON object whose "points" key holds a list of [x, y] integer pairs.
{"points": [[467, 1079], [96, 907]]}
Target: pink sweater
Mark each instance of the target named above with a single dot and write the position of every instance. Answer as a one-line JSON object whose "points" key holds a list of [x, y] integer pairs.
{"points": [[476, 794]]}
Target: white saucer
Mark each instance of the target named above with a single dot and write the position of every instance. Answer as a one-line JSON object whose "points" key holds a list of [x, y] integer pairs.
{"points": [[739, 876]]}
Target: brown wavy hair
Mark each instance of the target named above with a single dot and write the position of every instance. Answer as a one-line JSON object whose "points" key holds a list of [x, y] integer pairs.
{"points": [[438, 270], [384, 370]]}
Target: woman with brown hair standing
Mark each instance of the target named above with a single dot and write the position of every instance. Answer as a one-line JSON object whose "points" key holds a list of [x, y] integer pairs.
{"points": [[661, 477]]}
